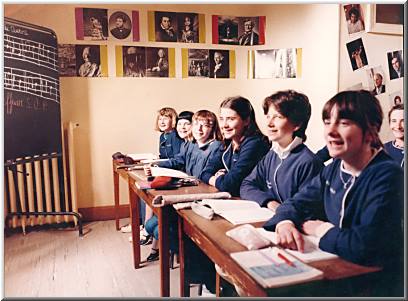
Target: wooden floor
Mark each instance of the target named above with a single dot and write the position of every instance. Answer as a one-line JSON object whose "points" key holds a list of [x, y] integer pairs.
{"points": [[58, 263]]}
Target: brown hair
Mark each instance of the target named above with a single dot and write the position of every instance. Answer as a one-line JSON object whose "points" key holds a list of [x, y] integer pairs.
{"points": [[169, 112], [212, 119], [362, 108], [399, 106]]}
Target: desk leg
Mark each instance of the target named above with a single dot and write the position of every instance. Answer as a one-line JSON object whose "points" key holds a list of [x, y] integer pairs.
{"points": [[163, 217], [184, 282], [116, 196], [134, 202]]}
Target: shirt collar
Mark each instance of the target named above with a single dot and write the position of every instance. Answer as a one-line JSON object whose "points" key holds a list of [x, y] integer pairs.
{"points": [[284, 153]]}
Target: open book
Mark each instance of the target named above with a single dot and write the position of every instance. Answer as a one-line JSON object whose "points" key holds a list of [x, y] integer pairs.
{"points": [[144, 156], [311, 252], [168, 172], [239, 211], [273, 267]]}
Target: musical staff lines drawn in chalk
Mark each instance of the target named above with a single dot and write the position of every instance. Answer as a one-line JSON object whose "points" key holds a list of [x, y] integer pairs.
{"points": [[33, 83], [30, 51]]}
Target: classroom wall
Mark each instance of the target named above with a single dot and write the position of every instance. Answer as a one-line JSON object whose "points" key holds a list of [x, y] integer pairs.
{"points": [[376, 46], [117, 114]]}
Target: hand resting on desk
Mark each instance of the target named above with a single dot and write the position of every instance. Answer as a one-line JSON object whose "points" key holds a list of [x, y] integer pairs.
{"points": [[289, 237]]}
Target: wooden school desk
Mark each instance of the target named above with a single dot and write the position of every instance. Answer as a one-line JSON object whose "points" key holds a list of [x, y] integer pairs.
{"points": [[162, 213], [209, 236], [124, 175]]}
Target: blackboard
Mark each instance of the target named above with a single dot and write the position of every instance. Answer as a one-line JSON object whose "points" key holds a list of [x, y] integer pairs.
{"points": [[32, 112]]}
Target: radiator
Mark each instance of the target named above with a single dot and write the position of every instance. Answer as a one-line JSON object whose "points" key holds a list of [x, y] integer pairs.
{"points": [[41, 189]]}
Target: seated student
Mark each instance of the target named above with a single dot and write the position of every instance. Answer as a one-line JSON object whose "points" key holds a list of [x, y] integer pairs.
{"points": [[355, 204], [183, 125], [395, 148], [244, 143], [192, 159], [290, 164]]}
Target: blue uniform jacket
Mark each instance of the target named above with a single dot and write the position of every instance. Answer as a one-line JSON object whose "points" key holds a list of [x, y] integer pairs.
{"points": [[192, 159], [278, 179], [169, 144], [238, 164], [396, 153], [370, 230]]}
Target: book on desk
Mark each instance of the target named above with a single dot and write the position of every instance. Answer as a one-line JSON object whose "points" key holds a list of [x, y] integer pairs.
{"points": [[273, 267]]}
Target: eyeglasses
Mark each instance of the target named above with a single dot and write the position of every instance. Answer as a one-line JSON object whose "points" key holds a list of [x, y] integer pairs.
{"points": [[203, 123]]}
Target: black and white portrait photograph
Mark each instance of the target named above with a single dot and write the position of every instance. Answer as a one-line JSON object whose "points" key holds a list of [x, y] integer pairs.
{"points": [[219, 64], [357, 54], [275, 63], [120, 25], [157, 62], [95, 22], [396, 98], [248, 31], [198, 63], [395, 64], [66, 60], [88, 62], [134, 61], [188, 27], [376, 80], [165, 26], [227, 30]]}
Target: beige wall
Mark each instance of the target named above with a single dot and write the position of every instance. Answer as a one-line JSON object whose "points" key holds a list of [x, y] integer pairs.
{"points": [[116, 114], [376, 47]]}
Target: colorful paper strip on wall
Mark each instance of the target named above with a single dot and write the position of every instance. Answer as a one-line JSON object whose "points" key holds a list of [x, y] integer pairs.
{"points": [[245, 31]]}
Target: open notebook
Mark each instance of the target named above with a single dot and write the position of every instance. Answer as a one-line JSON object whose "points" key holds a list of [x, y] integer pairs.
{"points": [[239, 211]]}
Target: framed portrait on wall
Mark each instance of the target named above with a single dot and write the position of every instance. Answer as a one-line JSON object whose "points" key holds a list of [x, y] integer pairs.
{"points": [[385, 18]]}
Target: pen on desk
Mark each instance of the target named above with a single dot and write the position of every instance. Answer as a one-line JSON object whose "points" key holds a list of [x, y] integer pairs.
{"points": [[281, 256]]}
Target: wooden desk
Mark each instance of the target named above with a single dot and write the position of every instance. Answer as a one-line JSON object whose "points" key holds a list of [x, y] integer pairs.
{"points": [[116, 173], [163, 214], [210, 237]]}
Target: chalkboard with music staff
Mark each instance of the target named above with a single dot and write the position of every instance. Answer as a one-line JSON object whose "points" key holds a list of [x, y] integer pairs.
{"points": [[32, 113]]}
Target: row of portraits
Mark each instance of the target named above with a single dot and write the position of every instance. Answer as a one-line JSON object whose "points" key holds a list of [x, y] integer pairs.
{"points": [[137, 61], [103, 24]]}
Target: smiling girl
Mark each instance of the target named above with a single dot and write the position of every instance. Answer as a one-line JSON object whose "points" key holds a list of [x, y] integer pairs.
{"points": [[396, 120]]}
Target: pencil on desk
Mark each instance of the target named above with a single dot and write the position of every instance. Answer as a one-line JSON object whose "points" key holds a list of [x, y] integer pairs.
{"points": [[281, 256]]}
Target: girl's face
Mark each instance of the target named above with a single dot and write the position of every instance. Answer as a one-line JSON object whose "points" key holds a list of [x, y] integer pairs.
{"points": [[231, 124], [344, 138], [183, 128], [164, 123], [280, 128], [201, 130], [397, 124]]}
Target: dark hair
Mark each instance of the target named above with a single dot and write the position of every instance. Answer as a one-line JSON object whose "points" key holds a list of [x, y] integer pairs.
{"points": [[294, 106], [188, 115], [362, 108], [355, 12], [399, 106], [120, 16], [245, 110]]}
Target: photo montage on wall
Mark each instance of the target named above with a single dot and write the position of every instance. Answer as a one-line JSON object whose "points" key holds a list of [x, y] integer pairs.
{"points": [[396, 98], [208, 63], [395, 64], [245, 31], [376, 80], [82, 60], [176, 27], [132, 61], [275, 63], [357, 54], [96, 24], [354, 18]]}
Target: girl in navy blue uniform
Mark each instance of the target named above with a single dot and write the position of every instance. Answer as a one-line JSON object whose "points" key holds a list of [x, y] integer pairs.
{"points": [[395, 148], [355, 204], [289, 165], [244, 146], [184, 125], [192, 159]]}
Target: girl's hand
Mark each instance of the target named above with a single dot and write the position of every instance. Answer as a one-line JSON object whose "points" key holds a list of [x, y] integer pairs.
{"points": [[309, 227], [289, 237], [272, 205], [221, 172]]}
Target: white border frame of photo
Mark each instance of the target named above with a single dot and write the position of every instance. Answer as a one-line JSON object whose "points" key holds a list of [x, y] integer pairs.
{"points": [[374, 27]]}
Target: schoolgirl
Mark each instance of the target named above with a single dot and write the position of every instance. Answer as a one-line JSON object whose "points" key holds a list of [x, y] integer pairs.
{"points": [[244, 144], [183, 125], [355, 205], [290, 164], [395, 148]]}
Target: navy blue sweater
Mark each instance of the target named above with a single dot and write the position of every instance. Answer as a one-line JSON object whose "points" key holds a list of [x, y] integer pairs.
{"points": [[278, 179], [169, 144], [192, 159], [238, 164], [396, 153], [369, 232]]}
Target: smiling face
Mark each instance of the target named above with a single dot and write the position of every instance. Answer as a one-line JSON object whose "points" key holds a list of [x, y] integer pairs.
{"points": [[201, 130], [280, 129], [164, 123], [231, 124], [397, 124], [183, 128]]}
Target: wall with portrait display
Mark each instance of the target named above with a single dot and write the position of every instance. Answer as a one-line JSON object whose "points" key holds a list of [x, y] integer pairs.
{"points": [[116, 113]]}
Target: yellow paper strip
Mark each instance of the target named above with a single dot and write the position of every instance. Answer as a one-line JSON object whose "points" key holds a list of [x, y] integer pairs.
{"points": [[119, 61], [299, 62], [232, 63], [150, 26], [184, 62], [172, 62], [251, 56], [201, 28]]}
